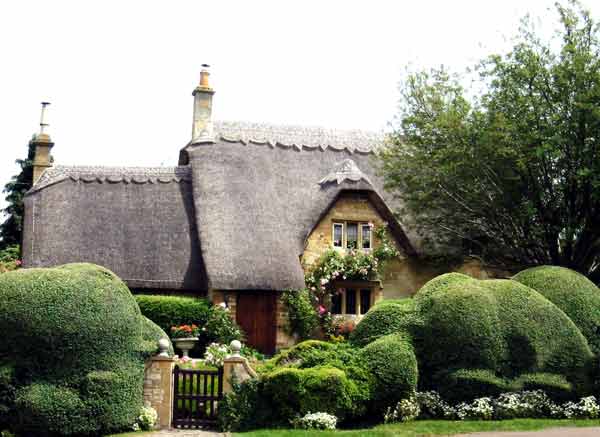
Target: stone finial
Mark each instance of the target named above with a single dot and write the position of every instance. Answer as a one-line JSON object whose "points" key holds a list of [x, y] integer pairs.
{"points": [[163, 347], [202, 127], [236, 347]]}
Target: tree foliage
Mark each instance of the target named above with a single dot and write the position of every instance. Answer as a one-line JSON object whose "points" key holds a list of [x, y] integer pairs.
{"points": [[510, 173], [12, 227]]}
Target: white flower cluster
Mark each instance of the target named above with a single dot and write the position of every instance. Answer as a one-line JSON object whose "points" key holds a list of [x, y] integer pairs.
{"points": [[316, 421], [586, 408], [215, 354], [433, 406], [524, 404], [146, 420], [479, 409], [404, 411]]}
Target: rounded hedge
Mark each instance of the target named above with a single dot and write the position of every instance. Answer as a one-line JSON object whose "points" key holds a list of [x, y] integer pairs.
{"points": [[68, 333], [293, 392], [392, 362], [573, 293], [386, 318], [499, 326], [167, 311]]}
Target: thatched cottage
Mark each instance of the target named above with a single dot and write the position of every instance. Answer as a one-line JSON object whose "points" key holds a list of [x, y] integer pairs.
{"points": [[246, 210]]}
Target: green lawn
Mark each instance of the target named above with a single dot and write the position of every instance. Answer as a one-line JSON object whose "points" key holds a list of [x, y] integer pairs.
{"points": [[430, 427]]}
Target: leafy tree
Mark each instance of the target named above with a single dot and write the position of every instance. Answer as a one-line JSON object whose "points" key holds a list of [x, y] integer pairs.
{"points": [[510, 173], [12, 227]]}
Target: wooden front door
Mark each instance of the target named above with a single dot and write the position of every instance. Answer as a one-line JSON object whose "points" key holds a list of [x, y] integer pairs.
{"points": [[256, 314]]}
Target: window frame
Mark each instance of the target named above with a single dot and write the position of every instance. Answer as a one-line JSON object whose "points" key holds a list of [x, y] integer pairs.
{"points": [[359, 234], [343, 225], [357, 288]]}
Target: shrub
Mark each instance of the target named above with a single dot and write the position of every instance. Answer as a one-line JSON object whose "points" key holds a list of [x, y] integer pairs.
{"points": [[526, 404], [556, 386], [48, 409], [384, 319], [294, 391], [7, 393], [432, 406], [468, 384], [392, 362], [301, 312], [68, 356], [586, 408], [404, 411], [245, 408], [168, 311], [497, 325], [215, 354], [479, 409], [573, 293], [147, 419], [220, 327], [315, 421]]}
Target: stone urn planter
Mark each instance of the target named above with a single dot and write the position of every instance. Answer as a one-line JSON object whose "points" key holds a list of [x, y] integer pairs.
{"points": [[185, 344]]}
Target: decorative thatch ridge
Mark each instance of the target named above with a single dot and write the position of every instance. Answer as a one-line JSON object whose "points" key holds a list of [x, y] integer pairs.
{"points": [[135, 175], [298, 137], [347, 170]]}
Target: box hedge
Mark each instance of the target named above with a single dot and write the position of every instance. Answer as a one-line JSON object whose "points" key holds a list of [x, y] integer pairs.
{"points": [[573, 293], [392, 362], [386, 318], [167, 311], [497, 325], [68, 332]]}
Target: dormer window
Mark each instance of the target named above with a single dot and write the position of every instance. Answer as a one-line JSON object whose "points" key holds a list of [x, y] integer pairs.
{"points": [[338, 235], [352, 235]]}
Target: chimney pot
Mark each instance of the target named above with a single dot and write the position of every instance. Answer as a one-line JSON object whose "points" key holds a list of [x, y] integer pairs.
{"points": [[202, 127]]}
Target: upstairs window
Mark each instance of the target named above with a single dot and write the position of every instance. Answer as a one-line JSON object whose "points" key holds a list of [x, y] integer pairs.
{"points": [[338, 235], [366, 233], [352, 235]]}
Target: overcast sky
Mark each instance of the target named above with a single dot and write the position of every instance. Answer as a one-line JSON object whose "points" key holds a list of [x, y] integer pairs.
{"points": [[119, 74]]}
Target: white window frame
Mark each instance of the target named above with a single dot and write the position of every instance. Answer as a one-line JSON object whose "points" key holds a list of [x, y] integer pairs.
{"points": [[343, 225], [361, 227]]}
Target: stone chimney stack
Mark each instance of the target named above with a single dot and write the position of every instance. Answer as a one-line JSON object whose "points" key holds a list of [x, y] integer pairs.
{"points": [[202, 128], [43, 144]]}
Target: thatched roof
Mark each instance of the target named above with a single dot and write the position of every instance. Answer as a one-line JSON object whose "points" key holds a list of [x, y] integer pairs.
{"points": [[138, 222], [233, 216]]}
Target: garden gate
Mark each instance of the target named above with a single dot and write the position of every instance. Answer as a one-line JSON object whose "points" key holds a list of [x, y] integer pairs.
{"points": [[196, 397]]}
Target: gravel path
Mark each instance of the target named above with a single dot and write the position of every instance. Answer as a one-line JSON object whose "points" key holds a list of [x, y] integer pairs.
{"points": [[550, 432], [184, 433]]}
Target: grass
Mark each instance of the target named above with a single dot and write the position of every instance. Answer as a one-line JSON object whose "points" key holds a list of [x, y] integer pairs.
{"points": [[431, 427]]}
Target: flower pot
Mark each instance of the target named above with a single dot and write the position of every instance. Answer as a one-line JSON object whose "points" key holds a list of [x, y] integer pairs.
{"points": [[185, 344]]}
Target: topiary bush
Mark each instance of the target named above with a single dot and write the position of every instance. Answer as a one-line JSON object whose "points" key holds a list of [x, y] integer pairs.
{"points": [[573, 293], [392, 362], [386, 318], [293, 392], [497, 325], [555, 386], [75, 342], [469, 384]]}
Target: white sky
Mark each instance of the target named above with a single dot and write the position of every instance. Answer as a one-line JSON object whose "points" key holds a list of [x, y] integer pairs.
{"points": [[120, 74]]}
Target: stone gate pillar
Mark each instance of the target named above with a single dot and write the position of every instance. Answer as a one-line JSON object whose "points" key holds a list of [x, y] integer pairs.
{"points": [[158, 385]]}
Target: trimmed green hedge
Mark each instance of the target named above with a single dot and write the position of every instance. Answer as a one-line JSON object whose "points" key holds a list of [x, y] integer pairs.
{"points": [[468, 384], [167, 311], [392, 362], [498, 325], [68, 331], [386, 318], [555, 386], [295, 392], [573, 293]]}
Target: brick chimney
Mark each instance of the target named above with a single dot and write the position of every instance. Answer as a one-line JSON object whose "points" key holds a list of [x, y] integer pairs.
{"points": [[202, 128], [42, 142]]}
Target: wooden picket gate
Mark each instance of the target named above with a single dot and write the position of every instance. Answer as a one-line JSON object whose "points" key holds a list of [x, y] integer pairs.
{"points": [[196, 397]]}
